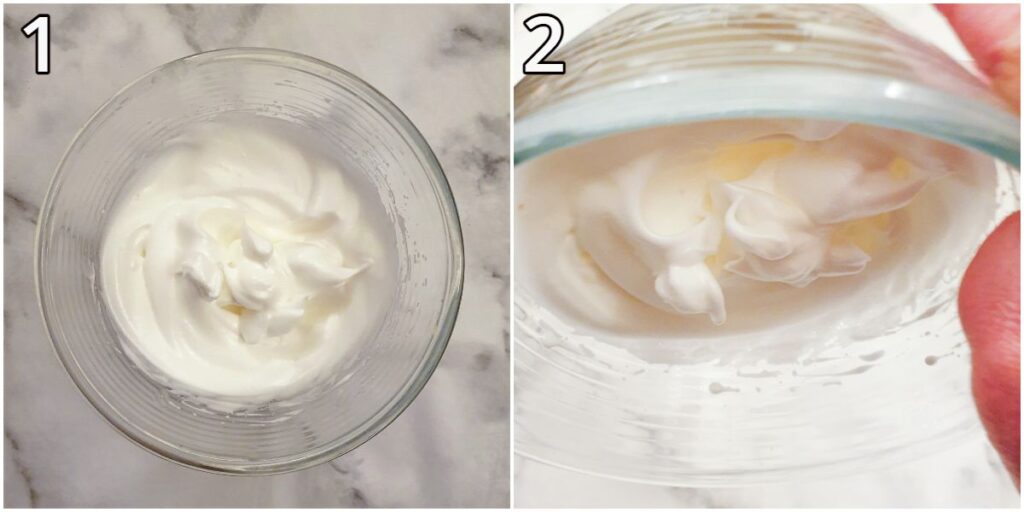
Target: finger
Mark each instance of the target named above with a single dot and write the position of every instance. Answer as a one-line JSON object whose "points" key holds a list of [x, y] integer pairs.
{"points": [[991, 34], [990, 314]]}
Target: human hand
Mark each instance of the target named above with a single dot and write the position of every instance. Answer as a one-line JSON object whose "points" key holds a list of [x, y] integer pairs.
{"points": [[991, 33], [990, 292]]}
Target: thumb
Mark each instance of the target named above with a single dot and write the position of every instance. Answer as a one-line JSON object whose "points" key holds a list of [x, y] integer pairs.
{"points": [[990, 313]]}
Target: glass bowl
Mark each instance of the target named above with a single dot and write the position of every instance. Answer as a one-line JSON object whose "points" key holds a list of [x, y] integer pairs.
{"points": [[362, 131], [881, 385]]}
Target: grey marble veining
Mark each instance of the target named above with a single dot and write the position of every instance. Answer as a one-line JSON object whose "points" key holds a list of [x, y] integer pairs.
{"points": [[447, 68]]}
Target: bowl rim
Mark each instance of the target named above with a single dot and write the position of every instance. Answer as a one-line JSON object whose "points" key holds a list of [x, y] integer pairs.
{"points": [[451, 302]]}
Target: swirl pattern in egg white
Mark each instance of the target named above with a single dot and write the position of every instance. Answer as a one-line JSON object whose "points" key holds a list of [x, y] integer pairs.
{"points": [[697, 220], [243, 265]]}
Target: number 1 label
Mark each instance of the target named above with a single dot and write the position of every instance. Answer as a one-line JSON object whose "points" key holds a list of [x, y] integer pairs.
{"points": [[40, 27]]}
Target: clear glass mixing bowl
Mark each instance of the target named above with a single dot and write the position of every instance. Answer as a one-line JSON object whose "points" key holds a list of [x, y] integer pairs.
{"points": [[366, 134], [882, 385]]}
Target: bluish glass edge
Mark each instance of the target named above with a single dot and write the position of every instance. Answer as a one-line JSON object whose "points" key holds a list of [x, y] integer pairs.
{"points": [[961, 121]]}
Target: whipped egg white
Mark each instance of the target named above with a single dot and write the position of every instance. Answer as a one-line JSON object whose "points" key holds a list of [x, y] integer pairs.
{"points": [[243, 265], [658, 229]]}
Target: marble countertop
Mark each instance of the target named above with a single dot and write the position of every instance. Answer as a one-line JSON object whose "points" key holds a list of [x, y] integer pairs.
{"points": [[967, 475], [447, 68]]}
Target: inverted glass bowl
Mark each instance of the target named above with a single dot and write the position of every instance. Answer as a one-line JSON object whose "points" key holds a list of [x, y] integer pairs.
{"points": [[365, 134], [722, 412]]}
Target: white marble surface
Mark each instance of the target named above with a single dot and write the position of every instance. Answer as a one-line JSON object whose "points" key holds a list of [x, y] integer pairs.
{"points": [[447, 68], [967, 475]]}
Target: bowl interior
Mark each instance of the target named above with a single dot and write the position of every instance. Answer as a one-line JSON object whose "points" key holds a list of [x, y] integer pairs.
{"points": [[370, 139], [718, 412], [877, 374]]}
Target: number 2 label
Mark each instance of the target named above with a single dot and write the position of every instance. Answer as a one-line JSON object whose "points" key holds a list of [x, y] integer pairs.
{"points": [[535, 63], [40, 27]]}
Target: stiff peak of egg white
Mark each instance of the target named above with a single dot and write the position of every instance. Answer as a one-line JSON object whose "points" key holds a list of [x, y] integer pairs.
{"points": [[235, 263], [266, 283], [777, 209]]}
